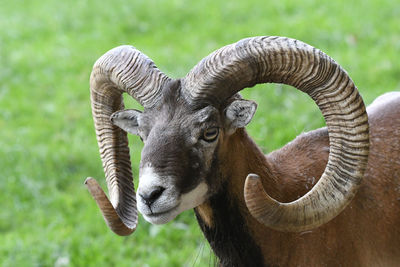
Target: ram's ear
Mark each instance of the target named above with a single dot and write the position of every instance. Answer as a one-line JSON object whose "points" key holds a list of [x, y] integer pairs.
{"points": [[239, 113], [127, 120]]}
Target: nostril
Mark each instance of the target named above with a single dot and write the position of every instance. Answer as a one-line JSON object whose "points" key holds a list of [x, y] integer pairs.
{"points": [[150, 197], [156, 193]]}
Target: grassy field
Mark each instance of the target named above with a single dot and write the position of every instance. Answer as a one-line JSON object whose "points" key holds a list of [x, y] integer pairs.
{"points": [[47, 141]]}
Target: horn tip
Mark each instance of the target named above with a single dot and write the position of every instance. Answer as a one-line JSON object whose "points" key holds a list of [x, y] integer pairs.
{"points": [[88, 180], [253, 176], [91, 183], [252, 180]]}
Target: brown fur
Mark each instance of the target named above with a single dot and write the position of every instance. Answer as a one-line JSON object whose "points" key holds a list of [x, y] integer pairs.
{"points": [[366, 233], [206, 213]]}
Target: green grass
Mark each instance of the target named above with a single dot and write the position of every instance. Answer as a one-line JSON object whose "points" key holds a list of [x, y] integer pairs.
{"points": [[47, 142]]}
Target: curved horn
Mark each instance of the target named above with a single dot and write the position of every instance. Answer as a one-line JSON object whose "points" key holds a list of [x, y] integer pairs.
{"points": [[122, 69], [282, 60]]}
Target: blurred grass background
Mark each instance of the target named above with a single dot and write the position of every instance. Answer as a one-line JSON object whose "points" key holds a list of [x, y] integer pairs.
{"points": [[47, 141]]}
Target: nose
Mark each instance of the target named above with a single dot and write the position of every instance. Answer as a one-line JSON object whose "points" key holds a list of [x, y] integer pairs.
{"points": [[150, 197]]}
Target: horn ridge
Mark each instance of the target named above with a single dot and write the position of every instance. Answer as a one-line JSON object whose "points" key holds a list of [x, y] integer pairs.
{"points": [[283, 60], [122, 69]]}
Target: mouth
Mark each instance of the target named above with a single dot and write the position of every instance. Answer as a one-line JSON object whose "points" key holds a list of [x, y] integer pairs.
{"points": [[161, 217]]}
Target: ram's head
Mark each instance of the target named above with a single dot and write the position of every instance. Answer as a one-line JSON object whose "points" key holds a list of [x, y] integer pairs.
{"points": [[186, 122]]}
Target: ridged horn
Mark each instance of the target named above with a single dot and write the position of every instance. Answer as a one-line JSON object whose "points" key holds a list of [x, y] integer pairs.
{"points": [[122, 69], [282, 60]]}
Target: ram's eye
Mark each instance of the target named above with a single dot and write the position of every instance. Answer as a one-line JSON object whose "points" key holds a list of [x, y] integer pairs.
{"points": [[211, 134]]}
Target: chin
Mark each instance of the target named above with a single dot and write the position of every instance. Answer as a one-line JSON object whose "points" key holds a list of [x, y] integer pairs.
{"points": [[161, 218]]}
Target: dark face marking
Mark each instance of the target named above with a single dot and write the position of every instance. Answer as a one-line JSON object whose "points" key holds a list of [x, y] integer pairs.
{"points": [[176, 143]]}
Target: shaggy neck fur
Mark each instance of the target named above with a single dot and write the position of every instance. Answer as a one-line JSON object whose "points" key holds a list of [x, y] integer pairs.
{"points": [[228, 235], [224, 218]]}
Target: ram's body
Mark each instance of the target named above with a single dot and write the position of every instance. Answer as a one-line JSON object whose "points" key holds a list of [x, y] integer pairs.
{"points": [[197, 154], [366, 233]]}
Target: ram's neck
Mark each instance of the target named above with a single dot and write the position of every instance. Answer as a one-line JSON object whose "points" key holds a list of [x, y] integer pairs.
{"points": [[235, 236], [224, 219]]}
